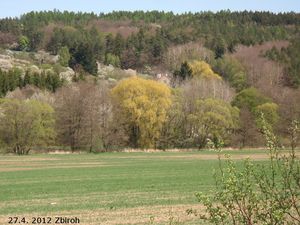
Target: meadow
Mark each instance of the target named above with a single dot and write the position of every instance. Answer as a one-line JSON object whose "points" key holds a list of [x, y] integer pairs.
{"points": [[110, 188]]}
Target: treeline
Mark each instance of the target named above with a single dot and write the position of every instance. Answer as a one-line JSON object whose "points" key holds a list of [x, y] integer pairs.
{"points": [[156, 31], [141, 113], [13, 79], [216, 101], [210, 95], [87, 47], [262, 18], [82, 18]]}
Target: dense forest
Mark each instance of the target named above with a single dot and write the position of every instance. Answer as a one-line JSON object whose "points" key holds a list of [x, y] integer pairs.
{"points": [[146, 35], [197, 77]]}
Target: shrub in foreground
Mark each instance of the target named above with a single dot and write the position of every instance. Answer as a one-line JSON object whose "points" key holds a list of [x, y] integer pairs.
{"points": [[256, 194]]}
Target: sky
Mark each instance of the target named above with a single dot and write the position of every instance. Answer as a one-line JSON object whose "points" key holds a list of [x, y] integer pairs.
{"points": [[13, 8]]}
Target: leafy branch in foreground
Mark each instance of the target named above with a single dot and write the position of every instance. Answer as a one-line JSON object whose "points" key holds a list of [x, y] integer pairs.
{"points": [[256, 193]]}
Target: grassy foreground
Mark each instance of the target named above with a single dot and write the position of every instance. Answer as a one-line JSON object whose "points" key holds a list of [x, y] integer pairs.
{"points": [[110, 188]]}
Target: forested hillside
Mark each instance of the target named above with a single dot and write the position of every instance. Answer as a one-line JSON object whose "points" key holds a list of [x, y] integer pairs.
{"points": [[148, 79]]}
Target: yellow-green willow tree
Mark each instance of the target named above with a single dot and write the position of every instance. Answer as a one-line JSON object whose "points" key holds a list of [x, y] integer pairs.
{"points": [[201, 69], [142, 106]]}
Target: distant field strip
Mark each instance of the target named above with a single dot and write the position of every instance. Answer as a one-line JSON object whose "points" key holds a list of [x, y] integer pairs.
{"points": [[110, 188]]}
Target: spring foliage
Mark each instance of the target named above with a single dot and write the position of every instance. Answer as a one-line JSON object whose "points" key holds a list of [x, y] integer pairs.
{"points": [[250, 98], [201, 69], [143, 104], [212, 118], [64, 56], [270, 111], [256, 193], [25, 124]]}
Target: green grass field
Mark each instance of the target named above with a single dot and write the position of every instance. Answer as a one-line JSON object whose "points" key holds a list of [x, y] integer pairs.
{"points": [[109, 188]]}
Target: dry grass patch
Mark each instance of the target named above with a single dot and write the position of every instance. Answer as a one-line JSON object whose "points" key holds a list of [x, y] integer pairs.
{"points": [[158, 214]]}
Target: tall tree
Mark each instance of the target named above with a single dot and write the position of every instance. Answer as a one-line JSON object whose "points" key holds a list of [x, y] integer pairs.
{"points": [[83, 113], [64, 56], [184, 73], [25, 124], [142, 105], [84, 56], [214, 119]]}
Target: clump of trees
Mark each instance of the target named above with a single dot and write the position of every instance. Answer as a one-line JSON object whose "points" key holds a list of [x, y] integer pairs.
{"points": [[252, 103], [176, 55], [202, 69], [233, 71], [195, 69], [12, 79], [26, 124], [289, 57], [250, 98], [211, 118], [84, 117], [185, 72], [201, 109]]}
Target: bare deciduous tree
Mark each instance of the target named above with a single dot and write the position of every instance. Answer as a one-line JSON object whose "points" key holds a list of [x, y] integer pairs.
{"points": [[83, 115], [247, 134], [181, 53], [207, 88], [69, 116]]}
